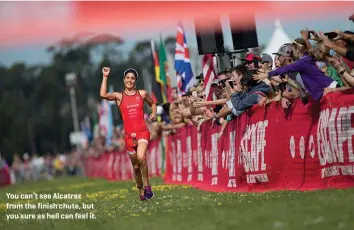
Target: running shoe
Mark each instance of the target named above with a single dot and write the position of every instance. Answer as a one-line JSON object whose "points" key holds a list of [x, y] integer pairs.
{"points": [[148, 192]]}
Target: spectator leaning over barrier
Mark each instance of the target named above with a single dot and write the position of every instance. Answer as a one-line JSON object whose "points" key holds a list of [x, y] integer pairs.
{"points": [[314, 80], [236, 75], [290, 86], [246, 94]]}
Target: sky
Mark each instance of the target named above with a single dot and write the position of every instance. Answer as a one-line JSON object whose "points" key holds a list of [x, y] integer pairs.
{"points": [[36, 53]]}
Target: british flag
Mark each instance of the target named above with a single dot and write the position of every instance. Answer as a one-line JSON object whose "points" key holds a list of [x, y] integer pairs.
{"points": [[182, 60]]}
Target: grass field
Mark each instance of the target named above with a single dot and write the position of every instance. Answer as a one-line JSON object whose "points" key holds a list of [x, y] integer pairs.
{"points": [[116, 206]]}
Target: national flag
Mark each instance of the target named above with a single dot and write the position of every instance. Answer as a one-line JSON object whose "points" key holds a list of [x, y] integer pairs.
{"points": [[156, 93], [106, 121], [95, 130], [209, 75], [165, 79], [182, 61], [86, 128]]}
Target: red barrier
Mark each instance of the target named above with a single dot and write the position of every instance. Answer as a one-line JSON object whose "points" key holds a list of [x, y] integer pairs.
{"points": [[304, 148], [117, 165], [5, 178]]}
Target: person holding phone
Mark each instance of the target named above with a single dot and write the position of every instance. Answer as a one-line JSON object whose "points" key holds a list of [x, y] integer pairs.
{"points": [[250, 92], [342, 44], [137, 136]]}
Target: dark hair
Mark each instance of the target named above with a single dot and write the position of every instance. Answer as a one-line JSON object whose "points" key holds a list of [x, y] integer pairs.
{"points": [[241, 68], [247, 80], [133, 71]]}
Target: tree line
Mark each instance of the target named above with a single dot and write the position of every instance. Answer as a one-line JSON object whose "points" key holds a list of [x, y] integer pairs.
{"points": [[35, 109]]}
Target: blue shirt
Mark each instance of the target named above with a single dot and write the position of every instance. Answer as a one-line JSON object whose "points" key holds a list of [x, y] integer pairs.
{"points": [[314, 80]]}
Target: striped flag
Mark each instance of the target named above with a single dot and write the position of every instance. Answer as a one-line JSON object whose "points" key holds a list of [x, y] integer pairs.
{"points": [[182, 61], [157, 92], [164, 69], [106, 121], [209, 75]]}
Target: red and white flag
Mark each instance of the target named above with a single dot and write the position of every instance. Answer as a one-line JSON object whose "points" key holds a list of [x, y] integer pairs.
{"points": [[209, 75]]}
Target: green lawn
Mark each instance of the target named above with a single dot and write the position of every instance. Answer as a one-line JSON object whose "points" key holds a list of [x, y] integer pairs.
{"points": [[116, 206]]}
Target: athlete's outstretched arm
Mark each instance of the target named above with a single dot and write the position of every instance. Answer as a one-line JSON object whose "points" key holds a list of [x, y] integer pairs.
{"points": [[103, 90], [151, 103]]}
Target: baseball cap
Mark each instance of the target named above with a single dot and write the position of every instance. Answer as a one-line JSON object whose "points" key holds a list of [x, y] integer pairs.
{"points": [[200, 76], [251, 56], [285, 50], [266, 58]]}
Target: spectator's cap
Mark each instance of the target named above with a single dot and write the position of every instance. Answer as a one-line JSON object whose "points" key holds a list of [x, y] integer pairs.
{"points": [[285, 50], [251, 56], [199, 77], [267, 58]]}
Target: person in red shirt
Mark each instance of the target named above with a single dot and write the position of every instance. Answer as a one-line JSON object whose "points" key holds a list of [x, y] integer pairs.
{"points": [[137, 136]]}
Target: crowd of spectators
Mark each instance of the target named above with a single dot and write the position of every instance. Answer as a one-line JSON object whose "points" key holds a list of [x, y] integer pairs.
{"points": [[308, 68]]}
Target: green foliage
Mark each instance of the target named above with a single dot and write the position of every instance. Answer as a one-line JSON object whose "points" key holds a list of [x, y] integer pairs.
{"points": [[35, 111]]}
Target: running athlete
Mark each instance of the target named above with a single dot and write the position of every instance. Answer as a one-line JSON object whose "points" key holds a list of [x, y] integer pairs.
{"points": [[137, 136]]}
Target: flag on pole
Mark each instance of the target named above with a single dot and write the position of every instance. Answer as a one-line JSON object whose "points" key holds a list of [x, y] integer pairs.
{"points": [[86, 128], [157, 94], [96, 127], [209, 75], [106, 121], [182, 61], [166, 86]]}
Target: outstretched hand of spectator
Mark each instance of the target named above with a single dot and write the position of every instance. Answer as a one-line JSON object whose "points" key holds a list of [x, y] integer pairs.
{"points": [[335, 61], [285, 103], [198, 104], [261, 74], [262, 101], [315, 35], [305, 34], [325, 39]]}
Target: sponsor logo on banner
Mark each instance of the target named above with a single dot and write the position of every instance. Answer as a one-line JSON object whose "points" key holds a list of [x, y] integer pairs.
{"points": [[334, 131], [252, 152], [334, 136]]}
